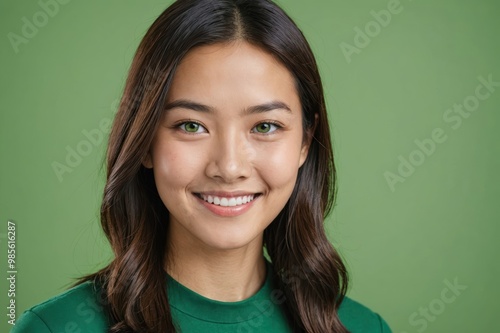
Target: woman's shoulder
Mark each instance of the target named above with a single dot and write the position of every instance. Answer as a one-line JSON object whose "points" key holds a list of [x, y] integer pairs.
{"points": [[358, 318], [78, 309]]}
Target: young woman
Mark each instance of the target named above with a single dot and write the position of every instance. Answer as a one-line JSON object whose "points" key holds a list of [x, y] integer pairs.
{"points": [[220, 172]]}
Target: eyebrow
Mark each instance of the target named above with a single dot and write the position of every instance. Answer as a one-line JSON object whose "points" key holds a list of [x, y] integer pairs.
{"points": [[188, 104]]}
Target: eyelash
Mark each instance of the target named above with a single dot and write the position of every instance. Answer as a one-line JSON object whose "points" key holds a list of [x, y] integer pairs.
{"points": [[179, 125], [270, 122]]}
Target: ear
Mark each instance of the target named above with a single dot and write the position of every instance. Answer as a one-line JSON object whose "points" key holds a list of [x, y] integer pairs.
{"points": [[147, 162], [307, 141]]}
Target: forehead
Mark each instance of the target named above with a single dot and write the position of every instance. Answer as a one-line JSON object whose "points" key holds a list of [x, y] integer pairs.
{"points": [[238, 74]]}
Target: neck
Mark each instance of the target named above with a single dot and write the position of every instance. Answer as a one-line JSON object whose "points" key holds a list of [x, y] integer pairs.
{"points": [[225, 275]]}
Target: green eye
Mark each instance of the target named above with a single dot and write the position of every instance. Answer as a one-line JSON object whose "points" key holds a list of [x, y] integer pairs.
{"points": [[192, 127], [265, 128]]}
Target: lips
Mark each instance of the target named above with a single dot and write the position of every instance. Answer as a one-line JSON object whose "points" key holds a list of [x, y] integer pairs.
{"points": [[227, 204], [227, 201]]}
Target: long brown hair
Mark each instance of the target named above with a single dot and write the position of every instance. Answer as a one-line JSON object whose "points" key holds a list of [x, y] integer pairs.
{"points": [[307, 268]]}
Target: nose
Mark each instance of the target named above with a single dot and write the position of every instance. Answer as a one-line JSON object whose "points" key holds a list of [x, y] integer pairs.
{"points": [[230, 158]]}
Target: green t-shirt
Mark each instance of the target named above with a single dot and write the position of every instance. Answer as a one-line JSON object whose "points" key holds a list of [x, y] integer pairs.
{"points": [[79, 310]]}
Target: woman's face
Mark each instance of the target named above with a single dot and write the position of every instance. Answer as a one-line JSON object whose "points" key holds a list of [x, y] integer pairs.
{"points": [[226, 154]]}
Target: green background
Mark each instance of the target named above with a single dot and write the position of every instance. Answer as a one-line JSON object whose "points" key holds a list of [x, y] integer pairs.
{"points": [[400, 244]]}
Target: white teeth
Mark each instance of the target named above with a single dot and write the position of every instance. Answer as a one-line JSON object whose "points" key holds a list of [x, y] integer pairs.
{"points": [[227, 202]]}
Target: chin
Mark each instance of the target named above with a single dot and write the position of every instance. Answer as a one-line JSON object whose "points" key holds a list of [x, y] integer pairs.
{"points": [[230, 241]]}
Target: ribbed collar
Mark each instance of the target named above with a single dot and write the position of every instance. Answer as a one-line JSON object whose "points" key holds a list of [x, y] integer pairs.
{"points": [[195, 305]]}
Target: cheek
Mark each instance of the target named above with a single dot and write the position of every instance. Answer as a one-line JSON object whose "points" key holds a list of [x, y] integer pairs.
{"points": [[279, 164], [175, 165]]}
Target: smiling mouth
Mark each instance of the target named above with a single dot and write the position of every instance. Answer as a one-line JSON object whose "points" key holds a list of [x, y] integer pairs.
{"points": [[227, 201]]}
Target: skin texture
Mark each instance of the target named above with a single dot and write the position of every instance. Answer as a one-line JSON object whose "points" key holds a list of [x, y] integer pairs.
{"points": [[226, 151]]}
